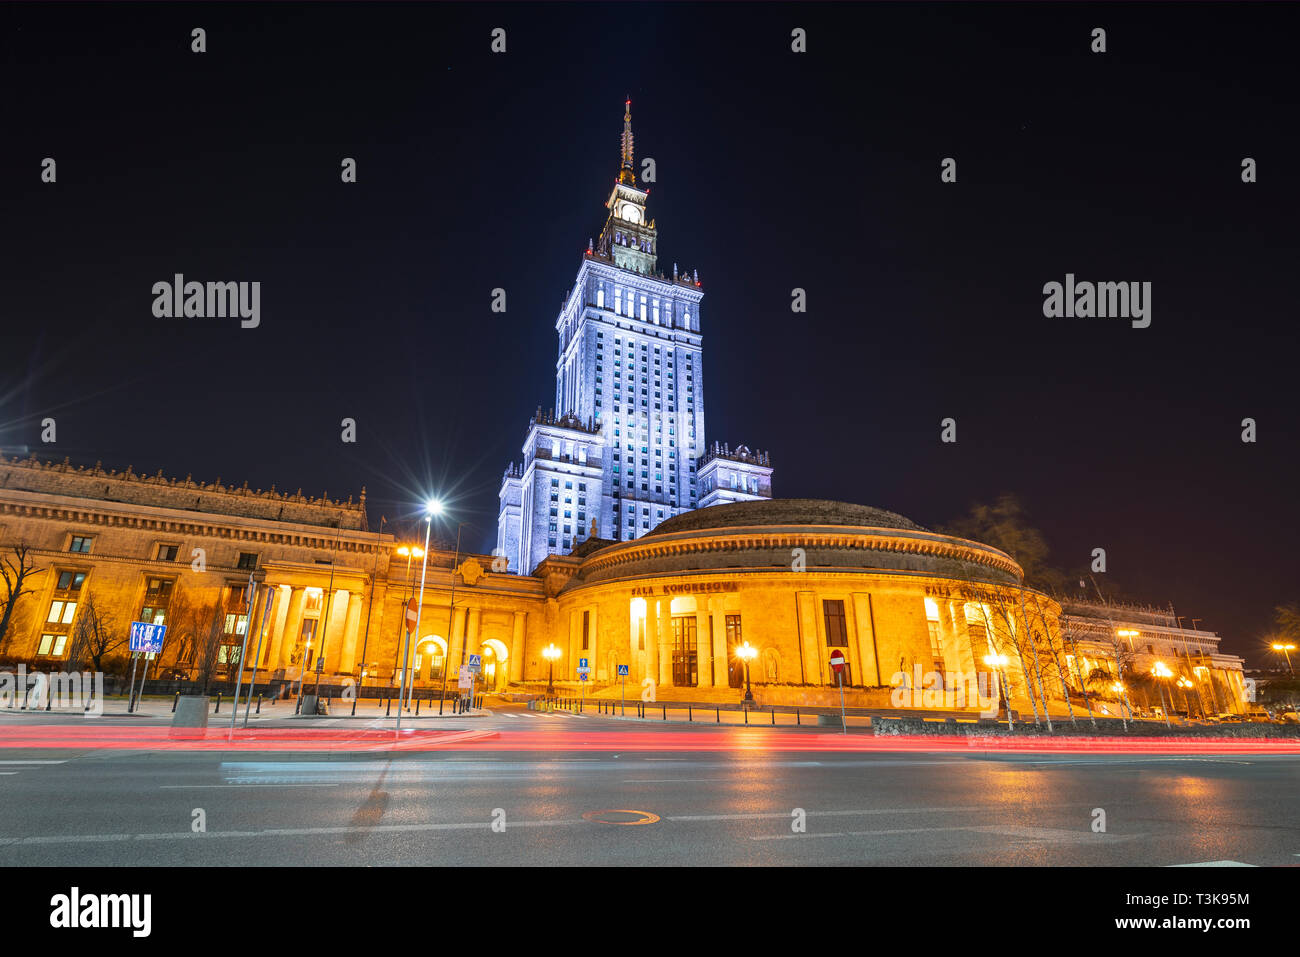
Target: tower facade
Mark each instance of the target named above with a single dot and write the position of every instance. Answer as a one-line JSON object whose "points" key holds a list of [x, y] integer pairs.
{"points": [[618, 454]]}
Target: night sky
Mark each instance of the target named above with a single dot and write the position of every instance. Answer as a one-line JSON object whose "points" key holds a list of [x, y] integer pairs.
{"points": [[775, 170]]}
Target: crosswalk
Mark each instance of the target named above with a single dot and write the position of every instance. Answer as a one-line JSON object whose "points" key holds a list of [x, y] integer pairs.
{"points": [[543, 715]]}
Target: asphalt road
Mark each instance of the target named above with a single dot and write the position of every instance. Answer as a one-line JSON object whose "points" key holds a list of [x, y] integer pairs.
{"points": [[552, 800]]}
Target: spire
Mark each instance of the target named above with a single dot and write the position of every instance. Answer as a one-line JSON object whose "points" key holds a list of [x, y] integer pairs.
{"points": [[627, 174]]}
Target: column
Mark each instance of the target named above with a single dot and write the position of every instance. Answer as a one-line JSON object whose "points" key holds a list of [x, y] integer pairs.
{"points": [[279, 613], [455, 642], [651, 642], [474, 632], [351, 631], [664, 640], [293, 628], [517, 646], [704, 644], [809, 646], [868, 671], [333, 643]]}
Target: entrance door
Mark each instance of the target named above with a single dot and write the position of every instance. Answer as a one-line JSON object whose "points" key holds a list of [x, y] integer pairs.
{"points": [[685, 674]]}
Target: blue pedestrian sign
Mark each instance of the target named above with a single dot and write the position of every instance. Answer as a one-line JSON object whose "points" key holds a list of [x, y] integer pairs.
{"points": [[476, 659], [582, 662], [622, 671], [475, 664], [147, 638]]}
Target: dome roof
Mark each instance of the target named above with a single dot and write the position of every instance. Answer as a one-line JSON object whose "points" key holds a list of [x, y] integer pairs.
{"points": [[764, 537], [783, 511]]}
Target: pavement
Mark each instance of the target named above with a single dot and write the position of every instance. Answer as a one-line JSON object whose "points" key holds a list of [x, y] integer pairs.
{"points": [[512, 786]]}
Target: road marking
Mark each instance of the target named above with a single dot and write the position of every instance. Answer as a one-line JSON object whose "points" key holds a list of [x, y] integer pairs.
{"points": [[1217, 864], [64, 761], [786, 814], [8, 772], [602, 817], [270, 784]]}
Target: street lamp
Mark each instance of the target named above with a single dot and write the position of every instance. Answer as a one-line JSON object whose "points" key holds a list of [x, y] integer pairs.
{"points": [[998, 662], [1162, 673], [432, 507], [550, 653], [747, 653], [1286, 650]]}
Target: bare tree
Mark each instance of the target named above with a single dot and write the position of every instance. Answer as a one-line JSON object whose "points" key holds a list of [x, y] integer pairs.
{"points": [[95, 636], [14, 570], [207, 648]]}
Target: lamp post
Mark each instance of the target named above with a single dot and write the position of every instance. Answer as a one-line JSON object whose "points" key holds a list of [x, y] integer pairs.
{"points": [[434, 507], [408, 551], [999, 662], [451, 623], [1162, 674], [746, 653], [1286, 649], [365, 642], [550, 653]]}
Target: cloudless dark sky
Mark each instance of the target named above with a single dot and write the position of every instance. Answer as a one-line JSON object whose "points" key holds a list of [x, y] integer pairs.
{"points": [[775, 170]]}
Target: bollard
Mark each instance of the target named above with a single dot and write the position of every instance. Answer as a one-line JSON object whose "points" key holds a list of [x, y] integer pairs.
{"points": [[175, 701], [717, 716], [796, 717], [218, 708], [259, 704], [774, 716], [389, 710], [417, 706], [746, 710], [688, 714], [665, 712]]}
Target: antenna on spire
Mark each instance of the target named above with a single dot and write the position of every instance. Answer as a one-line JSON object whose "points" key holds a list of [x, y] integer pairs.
{"points": [[626, 175]]}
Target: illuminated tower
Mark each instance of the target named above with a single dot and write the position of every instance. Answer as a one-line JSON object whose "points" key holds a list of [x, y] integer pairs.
{"points": [[620, 448]]}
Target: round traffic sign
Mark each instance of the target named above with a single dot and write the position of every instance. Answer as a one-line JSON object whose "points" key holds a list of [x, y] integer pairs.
{"points": [[412, 611], [837, 659]]}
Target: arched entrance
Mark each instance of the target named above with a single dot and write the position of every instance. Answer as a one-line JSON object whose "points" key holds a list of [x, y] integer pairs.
{"points": [[495, 672], [430, 655]]}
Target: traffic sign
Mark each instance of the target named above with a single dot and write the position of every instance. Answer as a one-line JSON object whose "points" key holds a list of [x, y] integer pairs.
{"points": [[582, 676], [476, 659], [466, 677], [475, 664], [622, 671], [582, 663], [412, 613], [837, 659], [584, 671], [147, 637]]}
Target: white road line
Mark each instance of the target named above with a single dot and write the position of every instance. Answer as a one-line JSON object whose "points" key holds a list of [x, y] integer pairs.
{"points": [[182, 787], [1217, 864], [64, 761]]}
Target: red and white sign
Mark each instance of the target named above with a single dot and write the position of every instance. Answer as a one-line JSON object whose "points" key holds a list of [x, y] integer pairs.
{"points": [[837, 659], [412, 611]]}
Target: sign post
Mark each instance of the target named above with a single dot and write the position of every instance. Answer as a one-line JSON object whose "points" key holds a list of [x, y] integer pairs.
{"points": [[243, 654], [622, 673], [146, 638], [837, 665], [584, 671], [474, 667]]}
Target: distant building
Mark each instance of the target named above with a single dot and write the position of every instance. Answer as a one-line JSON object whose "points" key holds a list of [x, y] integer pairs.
{"points": [[1163, 664], [623, 448]]}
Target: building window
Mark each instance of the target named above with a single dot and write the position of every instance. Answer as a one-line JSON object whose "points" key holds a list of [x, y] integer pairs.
{"points": [[735, 667], [80, 543], [70, 581], [61, 612], [586, 628], [247, 560], [167, 553], [52, 645], [685, 674], [157, 598], [837, 633]]}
